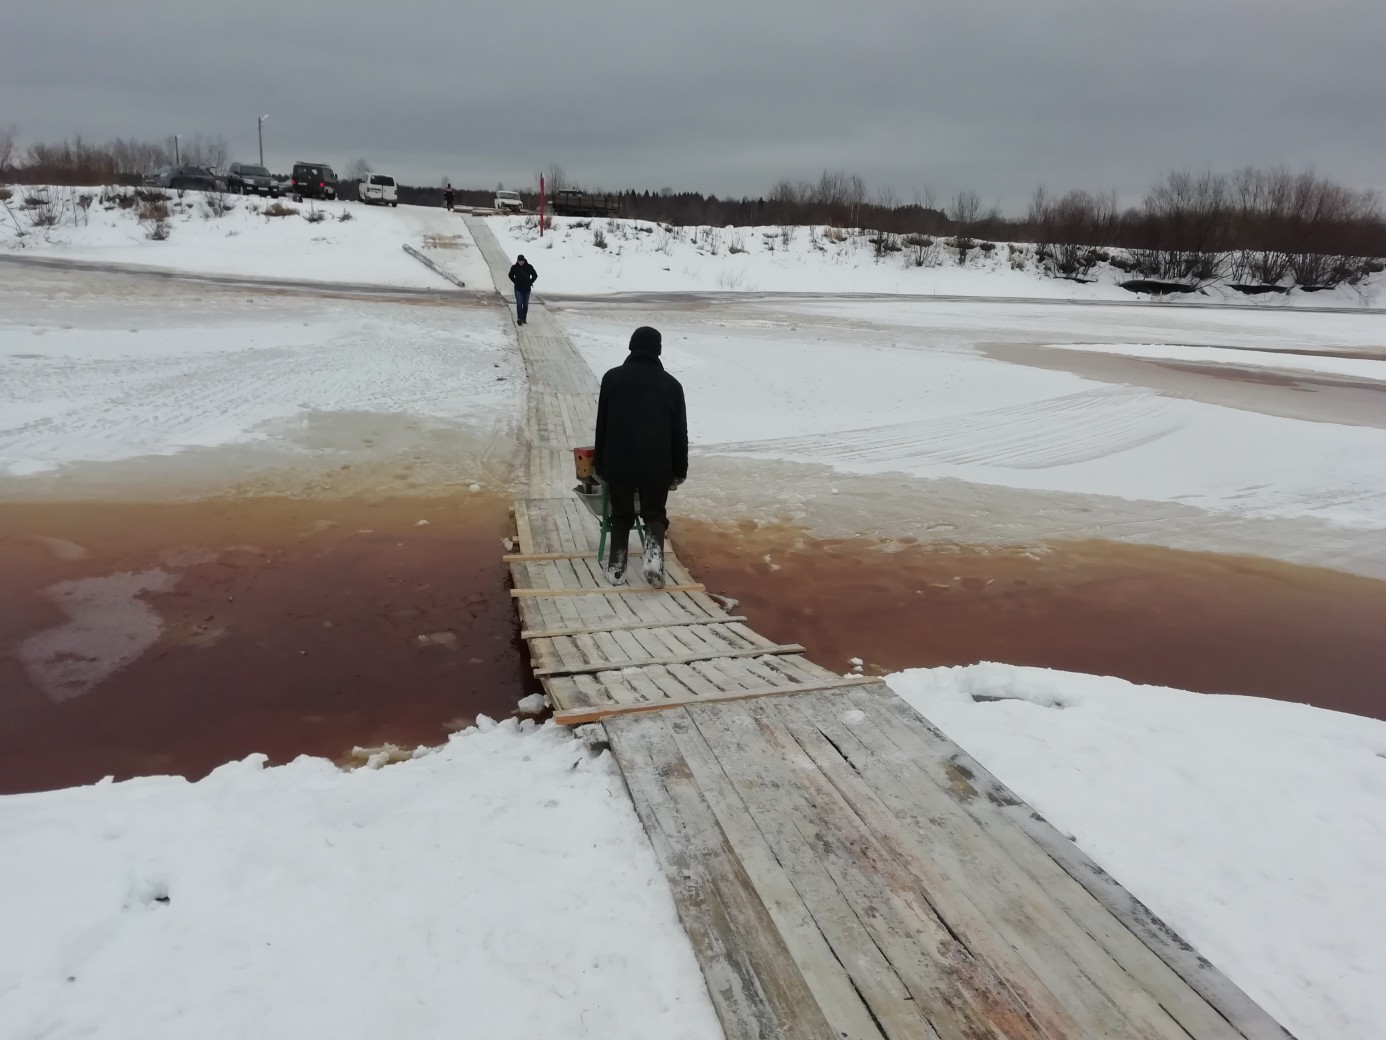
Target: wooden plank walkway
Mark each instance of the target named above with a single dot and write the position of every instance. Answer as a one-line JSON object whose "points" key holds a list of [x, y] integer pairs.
{"points": [[841, 868]]}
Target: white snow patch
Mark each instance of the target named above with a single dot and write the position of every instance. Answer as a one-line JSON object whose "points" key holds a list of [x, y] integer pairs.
{"points": [[364, 249], [500, 886], [1255, 828]]}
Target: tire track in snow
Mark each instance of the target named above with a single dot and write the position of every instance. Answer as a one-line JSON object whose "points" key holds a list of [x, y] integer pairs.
{"points": [[1059, 431]]}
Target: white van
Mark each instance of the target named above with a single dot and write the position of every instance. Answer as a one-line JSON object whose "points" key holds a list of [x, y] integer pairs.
{"points": [[378, 187], [507, 200]]}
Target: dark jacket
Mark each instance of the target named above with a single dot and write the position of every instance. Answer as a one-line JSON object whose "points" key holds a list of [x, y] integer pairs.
{"points": [[522, 276], [642, 428]]}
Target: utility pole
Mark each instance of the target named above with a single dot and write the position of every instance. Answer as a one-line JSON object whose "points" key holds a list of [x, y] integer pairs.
{"points": [[260, 133], [176, 160]]}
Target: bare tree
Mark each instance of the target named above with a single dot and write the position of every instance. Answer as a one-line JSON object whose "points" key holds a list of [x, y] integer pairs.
{"points": [[357, 169], [204, 151], [9, 136], [965, 209], [555, 180]]}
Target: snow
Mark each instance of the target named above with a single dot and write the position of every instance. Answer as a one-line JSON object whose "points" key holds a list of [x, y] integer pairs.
{"points": [[640, 256], [364, 249], [499, 887], [1365, 368], [863, 394], [1256, 829], [502, 881], [110, 378], [482, 882]]}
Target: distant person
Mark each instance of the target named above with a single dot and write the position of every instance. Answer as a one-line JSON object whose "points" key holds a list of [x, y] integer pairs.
{"points": [[522, 277], [447, 196], [642, 448]]}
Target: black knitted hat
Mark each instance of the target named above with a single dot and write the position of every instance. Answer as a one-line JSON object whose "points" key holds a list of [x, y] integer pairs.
{"points": [[645, 340]]}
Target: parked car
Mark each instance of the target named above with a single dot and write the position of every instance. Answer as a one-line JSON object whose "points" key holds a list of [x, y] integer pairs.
{"points": [[378, 187], [182, 178], [245, 179], [312, 180], [507, 200]]}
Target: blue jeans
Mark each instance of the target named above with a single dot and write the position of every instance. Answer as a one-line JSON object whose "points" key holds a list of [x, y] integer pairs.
{"points": [[521, 304]]}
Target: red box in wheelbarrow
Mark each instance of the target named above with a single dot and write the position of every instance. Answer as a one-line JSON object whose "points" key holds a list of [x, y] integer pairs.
{"points": [[584, 461]]}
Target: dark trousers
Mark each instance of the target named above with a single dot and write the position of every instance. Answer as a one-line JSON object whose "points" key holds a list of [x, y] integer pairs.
{"points": [[653, 504], [521, 304]]}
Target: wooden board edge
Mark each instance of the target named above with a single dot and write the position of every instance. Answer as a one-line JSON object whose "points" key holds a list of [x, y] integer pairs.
{"points": [[578, 716]]}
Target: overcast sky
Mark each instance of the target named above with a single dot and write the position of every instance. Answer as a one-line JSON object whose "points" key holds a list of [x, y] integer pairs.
{"points": [[721, 96]]}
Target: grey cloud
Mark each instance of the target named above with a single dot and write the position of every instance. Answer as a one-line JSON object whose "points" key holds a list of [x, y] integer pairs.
{"points": [[725, 97]]}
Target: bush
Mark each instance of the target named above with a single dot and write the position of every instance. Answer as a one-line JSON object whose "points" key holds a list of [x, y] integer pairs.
{"points": [[154, 220], [598, 239], [5, 194], [278, 209], [314, 215], [151, 195], [344, 216]]}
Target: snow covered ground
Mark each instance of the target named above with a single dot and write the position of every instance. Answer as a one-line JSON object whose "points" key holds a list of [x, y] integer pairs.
{"points": [[499, 887], [1256, 829], [448, 892], [353, 242], [641, 256], [98, 369], [969, 391]]}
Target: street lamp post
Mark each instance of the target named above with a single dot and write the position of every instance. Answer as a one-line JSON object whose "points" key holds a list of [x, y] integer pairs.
{"points": [[260, 133], [176, 160]]}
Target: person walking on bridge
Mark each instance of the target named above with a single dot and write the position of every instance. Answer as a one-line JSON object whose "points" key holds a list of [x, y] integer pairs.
{"points": [[641, 449], [523, 277]]}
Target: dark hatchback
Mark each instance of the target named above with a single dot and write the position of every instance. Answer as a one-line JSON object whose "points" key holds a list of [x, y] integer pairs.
{"points": [[245, 179], [313, 181]]}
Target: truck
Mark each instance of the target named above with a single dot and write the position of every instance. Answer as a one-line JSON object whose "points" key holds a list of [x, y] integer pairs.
{"points": [[574, 202]]}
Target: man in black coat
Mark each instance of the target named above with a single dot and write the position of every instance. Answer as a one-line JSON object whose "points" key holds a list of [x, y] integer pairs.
{"points": [[642, 448], [522, 277]]}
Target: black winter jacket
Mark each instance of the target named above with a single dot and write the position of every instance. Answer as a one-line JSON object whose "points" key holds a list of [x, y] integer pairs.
{"points": [[642, 427], [522, 276]]}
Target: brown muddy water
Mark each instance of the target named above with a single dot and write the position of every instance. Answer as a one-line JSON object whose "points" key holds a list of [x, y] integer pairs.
{"points": [[1196, 621], [145, 638]]}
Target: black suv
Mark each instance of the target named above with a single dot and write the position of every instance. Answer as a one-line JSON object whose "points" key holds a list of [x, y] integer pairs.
{"points": [[245, 179], [181, 178], [313, 181]]}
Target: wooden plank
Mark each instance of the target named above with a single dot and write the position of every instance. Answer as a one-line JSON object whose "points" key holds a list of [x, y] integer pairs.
{"points": [[851, 885], [1143, 944], [833, 983], [754, 986], [610, 590], [629, 625], [540, 557], [1045, 915], [522, 528], [1013, 929], [960, 994], [578, 716]]}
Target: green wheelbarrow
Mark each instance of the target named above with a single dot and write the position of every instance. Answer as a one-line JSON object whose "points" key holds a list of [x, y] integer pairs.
{"points": [[593, 493]]}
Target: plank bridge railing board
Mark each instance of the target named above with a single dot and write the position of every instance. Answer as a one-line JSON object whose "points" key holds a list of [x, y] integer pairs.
{"points": [[841, 868]]}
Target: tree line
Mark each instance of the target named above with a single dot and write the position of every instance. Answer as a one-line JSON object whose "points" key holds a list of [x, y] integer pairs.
{"points": [[1254, 226]]}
